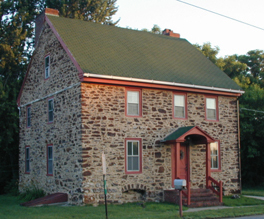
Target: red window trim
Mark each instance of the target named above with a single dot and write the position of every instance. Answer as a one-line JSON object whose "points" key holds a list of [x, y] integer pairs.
{"points": [[51, 98], [140, 155], [185, 106], [27, 172], [140, 101], [29, 106], [50, 145], [45, 67], [217, 109], [219, 159]]}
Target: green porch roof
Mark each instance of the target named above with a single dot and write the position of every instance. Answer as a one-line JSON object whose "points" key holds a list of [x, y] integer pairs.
{"points": [[109, 50], [178, 133]]}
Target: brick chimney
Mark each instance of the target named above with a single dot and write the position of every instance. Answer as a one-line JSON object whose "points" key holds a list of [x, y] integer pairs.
{"points": [[40, 21], [170, 33]]}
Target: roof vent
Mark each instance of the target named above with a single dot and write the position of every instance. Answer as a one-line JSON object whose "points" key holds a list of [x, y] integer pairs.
{"points": [[170, 33]]}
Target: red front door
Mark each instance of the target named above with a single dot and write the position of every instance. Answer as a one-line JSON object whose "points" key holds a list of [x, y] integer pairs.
{"points": [[184, 162]]}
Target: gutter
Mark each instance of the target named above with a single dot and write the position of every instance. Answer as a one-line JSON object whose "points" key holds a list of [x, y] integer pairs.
{"points": [[90, 75]]}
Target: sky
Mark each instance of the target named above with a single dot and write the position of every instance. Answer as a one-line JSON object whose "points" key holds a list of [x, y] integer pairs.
{"points": [[199, 26]]}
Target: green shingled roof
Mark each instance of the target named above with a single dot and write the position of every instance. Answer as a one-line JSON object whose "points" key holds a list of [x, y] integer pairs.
{"points": [[178, 133], [109, 50]]}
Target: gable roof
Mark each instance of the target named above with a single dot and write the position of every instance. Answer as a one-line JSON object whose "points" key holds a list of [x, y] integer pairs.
{"points": [[108, 50]]}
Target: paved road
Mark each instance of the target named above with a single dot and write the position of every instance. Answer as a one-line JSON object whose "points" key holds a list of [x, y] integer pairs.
{"points": [[249, 217]]}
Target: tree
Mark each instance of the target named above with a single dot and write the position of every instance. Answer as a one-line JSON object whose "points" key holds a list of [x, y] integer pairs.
{"points": [[16, 31], [208, 51], [99, 11], [156, 29]]}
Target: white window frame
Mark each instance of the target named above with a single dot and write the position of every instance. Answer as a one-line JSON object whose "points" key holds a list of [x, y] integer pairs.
{"points": [[29, 116], [50, 110], [139, 156], [49, 160], [215, 156], [178, 105], [47, 66], [135, 102], [27, 159], [210, 108]]}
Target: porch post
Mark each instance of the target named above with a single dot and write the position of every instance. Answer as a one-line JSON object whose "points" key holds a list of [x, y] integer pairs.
{"points": [[208, 165], [177, 153]]}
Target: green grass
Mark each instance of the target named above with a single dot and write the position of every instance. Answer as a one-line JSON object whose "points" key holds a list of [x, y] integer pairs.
{"points": [[10, 208], [242, 201], [258, 191]]}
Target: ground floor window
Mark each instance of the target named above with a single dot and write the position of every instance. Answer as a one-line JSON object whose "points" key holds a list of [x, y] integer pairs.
{"points": [[215, 155], [27, 163], [50, 160], [133, 159]]}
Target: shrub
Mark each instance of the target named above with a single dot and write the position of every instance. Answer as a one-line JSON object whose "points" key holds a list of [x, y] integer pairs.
{"points": [[32, 192]]}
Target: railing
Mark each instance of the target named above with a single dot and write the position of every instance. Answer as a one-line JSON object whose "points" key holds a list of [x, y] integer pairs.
{"points": [[216, 187]]}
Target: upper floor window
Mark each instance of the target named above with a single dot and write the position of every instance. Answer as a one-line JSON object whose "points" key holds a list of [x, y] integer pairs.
{"points": [[180, 108], [28, 116], [47, 67], [27, 160], [133, 102], [211, 108], [51, 110], [50, 160], [133, 155], [215, 155]]}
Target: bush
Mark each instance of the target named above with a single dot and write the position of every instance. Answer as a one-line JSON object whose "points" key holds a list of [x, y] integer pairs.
{"points": [[31, 192], [12, 188]]}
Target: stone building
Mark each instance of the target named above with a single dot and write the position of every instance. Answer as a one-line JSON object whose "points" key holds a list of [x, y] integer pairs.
{"points": [[156, 107]]}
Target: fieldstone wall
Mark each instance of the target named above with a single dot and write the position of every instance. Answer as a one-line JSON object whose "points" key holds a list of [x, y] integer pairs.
{"points": [[105, 128], [64, 133]]}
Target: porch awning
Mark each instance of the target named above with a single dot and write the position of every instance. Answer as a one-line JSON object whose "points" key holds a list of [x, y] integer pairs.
{"points": [[181, 133]]}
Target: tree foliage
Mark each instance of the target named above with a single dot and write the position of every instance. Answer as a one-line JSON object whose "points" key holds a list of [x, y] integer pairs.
{"points": [[16, 30], [99, 11]]}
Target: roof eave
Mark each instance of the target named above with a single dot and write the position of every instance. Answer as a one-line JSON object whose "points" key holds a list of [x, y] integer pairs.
{"points": [[166, 83]]}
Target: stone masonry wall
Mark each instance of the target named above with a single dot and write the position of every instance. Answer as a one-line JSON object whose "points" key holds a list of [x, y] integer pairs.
{"points": [[105, 127], [64, 133]]}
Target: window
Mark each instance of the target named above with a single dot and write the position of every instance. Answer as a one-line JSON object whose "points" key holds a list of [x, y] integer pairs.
{"points": [[211, 108], [47, 67], [180, 109], [133, 156], [50, 160], [27, 163], [215, 155], [51, 110], [133, 102], [28, 116]]}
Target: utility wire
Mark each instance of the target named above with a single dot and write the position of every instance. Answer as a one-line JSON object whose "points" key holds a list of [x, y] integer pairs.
{"points": [[221, 15], [257, 111]]}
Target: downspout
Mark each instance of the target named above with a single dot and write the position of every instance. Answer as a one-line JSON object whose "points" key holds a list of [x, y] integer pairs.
{"points": [[239, 154]]}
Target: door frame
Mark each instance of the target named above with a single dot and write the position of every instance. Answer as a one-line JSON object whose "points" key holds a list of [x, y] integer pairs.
{"points": [[174, 162]]}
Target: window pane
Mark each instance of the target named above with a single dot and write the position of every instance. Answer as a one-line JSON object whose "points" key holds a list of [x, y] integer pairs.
{"points": [[179, 100], [210, 103], [135, 163], [49, 152], [50, 116], [211, 114], [214, 162], [214, 148], [47, 61], [129, 148], [129, 164], [179, 112], [133, 97], [133, 109], [27, 166], [50, 170], [50, 104], [27, 153], [135, 148]]}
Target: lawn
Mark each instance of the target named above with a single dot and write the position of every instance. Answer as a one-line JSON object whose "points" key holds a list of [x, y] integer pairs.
{"points": [[258, 191], [10, 208]]}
